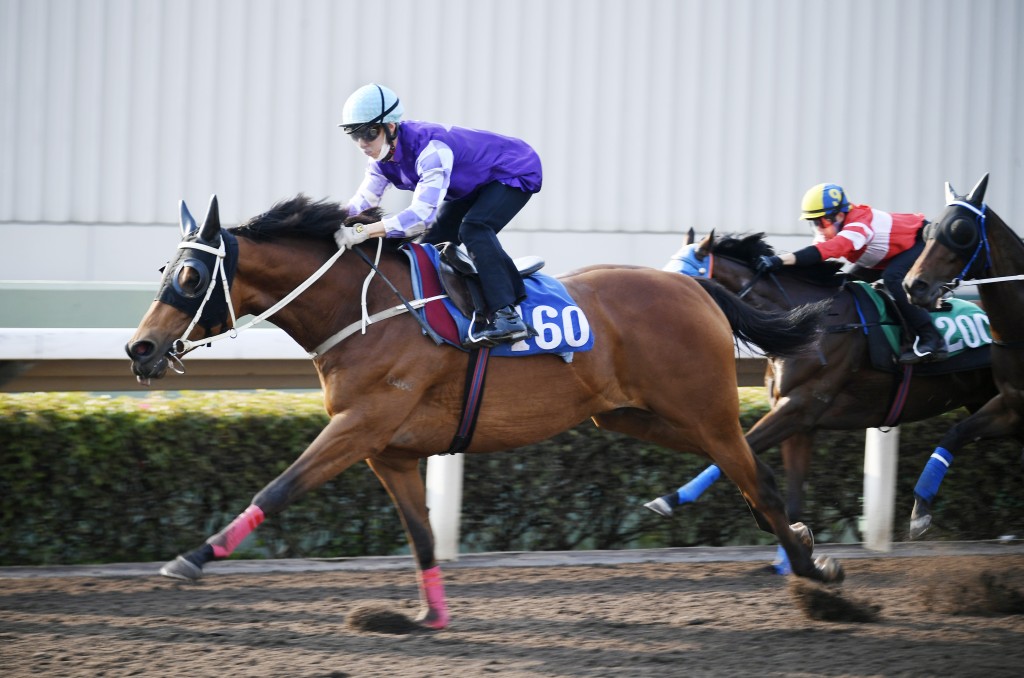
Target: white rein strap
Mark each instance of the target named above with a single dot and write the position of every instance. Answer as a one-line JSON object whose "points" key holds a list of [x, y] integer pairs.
{"points": [[363, 322], [186, 345], [986, 281], [183, 345]]}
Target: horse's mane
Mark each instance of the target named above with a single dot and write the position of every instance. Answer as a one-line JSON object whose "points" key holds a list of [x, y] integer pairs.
{"points": [[745, 248], [749, 248], [302, 217]]}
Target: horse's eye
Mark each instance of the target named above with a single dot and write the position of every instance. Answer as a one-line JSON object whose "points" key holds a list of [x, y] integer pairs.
{"points": [[962, 233]]}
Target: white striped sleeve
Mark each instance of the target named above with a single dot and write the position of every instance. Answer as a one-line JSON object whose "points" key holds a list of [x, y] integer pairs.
{"points": [[434, 170], [369, 192]]}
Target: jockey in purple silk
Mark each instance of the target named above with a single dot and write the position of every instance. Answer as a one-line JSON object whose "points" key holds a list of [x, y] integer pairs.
{"points": [[467, 185]]}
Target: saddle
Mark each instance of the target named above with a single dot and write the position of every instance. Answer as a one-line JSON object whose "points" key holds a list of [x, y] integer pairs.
{"points": [[461, 282], [888, 334]]}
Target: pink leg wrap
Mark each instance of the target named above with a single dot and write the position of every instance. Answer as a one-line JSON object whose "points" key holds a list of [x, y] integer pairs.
{"points": [[432, 590], [225, 541]]}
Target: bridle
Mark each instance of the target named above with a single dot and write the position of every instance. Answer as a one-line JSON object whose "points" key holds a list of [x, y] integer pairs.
{"points": [[943, 233], [183, 345]]}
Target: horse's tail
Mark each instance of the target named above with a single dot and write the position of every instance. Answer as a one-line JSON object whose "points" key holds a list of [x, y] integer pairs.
{"points": [[777, 333]]}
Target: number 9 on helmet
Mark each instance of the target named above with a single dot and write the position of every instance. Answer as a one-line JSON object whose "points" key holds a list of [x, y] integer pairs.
{"points": [[824, 200]]}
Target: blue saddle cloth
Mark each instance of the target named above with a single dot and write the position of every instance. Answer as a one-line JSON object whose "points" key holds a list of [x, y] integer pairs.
{"points": [[561, 325]]}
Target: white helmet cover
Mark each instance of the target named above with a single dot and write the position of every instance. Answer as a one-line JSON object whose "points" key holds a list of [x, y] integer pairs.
{"points": [[369, 105]]}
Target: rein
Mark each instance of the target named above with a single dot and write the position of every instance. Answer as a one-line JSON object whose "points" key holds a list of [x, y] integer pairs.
{"points": [[184, 345], [756, 278], [986, 281], [405, 303]]}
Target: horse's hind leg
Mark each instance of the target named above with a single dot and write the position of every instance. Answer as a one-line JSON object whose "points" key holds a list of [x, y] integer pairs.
{"points": [[728, 449], [401, 478]]}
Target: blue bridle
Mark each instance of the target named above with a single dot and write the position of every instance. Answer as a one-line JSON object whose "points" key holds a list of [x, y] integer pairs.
{"points": [[943, 237]]}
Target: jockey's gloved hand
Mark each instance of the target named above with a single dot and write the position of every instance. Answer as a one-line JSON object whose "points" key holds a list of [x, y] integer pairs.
{"points": [[348, 236], [768, 264]]}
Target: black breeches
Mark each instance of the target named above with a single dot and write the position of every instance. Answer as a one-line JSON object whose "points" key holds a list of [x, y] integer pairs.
{"points": [[892, 277], [475, 221]]}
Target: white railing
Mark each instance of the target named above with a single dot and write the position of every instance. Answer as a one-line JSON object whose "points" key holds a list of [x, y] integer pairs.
{"points": [[91, 359]]}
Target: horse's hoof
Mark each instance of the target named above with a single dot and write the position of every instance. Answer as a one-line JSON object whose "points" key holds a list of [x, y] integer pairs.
{"points": [[804, 534], [660, 506], [919, 526], [180, 568], [433, 619], [830, 569]]}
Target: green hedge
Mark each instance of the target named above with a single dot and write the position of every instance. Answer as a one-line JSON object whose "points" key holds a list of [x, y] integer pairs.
{"points": [[87, 479]]}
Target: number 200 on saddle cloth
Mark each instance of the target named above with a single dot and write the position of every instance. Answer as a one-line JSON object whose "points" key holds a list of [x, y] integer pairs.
{"points": [[964, 326]]}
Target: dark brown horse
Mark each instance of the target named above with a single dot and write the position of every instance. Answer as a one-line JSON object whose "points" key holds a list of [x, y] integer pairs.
{"points": [[394, 397], [971, 241], [836, 389]]}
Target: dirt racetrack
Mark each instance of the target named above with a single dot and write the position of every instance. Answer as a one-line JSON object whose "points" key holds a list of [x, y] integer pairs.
{"points": [[950, 615]]}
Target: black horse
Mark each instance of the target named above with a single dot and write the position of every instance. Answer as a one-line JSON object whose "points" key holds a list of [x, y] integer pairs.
{"points": [[971, 241], [840, 388]]}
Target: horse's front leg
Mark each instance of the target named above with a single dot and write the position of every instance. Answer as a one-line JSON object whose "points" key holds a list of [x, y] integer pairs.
{"points": [[796, 458], [996, 419], [401, 478], [326, 457]]}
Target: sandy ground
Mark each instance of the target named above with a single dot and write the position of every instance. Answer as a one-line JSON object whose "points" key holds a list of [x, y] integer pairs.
{"points": [[933, 615]]}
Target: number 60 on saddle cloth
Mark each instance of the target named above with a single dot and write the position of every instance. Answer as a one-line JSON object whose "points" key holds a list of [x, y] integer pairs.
{"points": [[561, 325]]}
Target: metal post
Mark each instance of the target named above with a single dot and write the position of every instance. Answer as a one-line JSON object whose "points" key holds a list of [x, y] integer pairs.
{"points": [[881, 452], [444, 501]]}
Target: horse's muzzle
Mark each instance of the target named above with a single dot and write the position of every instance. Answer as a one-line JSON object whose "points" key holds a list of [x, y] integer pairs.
{"points": [[147, 362], [921, 293]]}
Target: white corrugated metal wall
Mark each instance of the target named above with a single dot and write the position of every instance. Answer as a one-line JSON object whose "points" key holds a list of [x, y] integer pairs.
{"points": [[650, 115]]}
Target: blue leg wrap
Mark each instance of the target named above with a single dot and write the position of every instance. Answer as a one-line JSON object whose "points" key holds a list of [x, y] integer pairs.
{"points": [[692, 490], [781, 563], [934, 471]]}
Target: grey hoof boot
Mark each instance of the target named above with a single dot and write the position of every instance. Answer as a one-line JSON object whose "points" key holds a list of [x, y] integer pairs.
{"points": [[660, 506], [180, 568]]}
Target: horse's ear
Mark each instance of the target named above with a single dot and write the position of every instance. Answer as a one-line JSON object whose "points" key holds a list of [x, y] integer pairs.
{"points": [[705, 245], [977, 193], [211, 225], [690, 235], [950, 193], [188, 224]]}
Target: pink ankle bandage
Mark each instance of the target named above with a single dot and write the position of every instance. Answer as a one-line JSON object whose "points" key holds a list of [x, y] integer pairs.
{"points": [[225, 542], [433, 588]]}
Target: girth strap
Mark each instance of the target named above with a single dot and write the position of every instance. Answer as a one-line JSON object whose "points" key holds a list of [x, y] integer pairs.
{"points": [[900, 397], [476, 375]]}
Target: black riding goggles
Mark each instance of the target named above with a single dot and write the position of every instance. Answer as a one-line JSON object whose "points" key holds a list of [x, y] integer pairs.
{"points": [[364, 132]]}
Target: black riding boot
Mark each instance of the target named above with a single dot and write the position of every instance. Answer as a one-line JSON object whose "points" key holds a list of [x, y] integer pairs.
{"points": [[505, 327], [929, 346]]}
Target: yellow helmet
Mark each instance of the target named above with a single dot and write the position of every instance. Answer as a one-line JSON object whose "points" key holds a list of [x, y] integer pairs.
{"points": [[824, 200]]}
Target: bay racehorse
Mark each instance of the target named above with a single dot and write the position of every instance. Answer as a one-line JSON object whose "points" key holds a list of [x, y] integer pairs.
{"points": [[662, 369], [838, 388], [971, 242]]}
